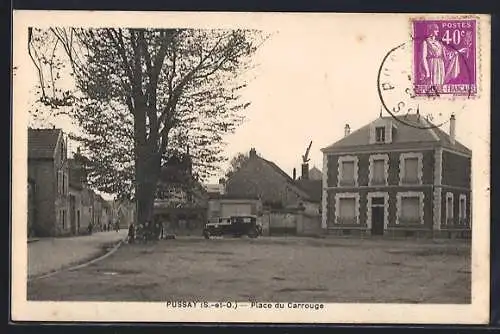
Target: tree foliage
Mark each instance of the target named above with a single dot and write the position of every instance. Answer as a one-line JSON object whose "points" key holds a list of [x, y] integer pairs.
{"points": [[140, 94], [235, 163]]}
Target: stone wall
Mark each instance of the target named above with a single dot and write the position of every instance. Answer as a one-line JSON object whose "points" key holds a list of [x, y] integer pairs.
{"points": [[290, 222]]}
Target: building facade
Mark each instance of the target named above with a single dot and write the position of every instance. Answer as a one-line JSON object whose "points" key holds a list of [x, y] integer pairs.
{"points": [[223, 206], [48, 172], [397, 177]]}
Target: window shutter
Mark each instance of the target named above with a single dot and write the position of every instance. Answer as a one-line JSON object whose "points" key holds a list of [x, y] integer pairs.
{"points": [[410, 209], [348, 171], [378, 172], [347, 208], [411, 170]]}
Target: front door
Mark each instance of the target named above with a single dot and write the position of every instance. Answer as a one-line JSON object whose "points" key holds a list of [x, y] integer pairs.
{"points": [[378, 216]]}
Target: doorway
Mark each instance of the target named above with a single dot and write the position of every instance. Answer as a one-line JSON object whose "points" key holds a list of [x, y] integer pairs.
{"points": [[72, 210], [378, 215]]}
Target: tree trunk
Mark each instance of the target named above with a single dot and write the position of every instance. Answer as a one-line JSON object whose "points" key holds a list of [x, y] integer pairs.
{"points": [[147, 170], [147, 175]]}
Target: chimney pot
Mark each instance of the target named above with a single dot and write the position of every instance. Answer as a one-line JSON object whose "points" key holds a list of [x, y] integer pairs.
{"points": [[452, 128], [294, 174], [253, 152], [305, 171], [347, 130]]}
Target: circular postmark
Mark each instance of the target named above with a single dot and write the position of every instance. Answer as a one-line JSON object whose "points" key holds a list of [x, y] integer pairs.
{"points": [[414, 100]]}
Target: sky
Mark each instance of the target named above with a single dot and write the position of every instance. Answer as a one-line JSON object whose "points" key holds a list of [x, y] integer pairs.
{"points": [[314, 75]]}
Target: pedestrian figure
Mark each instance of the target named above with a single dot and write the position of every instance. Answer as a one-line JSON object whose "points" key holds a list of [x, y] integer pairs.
{"points": [[157, 231], [144, 231], [131, 233]]}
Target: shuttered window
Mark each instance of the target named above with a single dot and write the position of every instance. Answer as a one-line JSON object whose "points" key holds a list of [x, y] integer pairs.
{"points": [[348, 172], [378, 172], [449, 207], [410, 171], [410, 210], [347, 210]]}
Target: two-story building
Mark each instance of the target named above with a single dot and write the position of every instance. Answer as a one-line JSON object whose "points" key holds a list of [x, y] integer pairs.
{"points": [[48, 175], [397, 177]]}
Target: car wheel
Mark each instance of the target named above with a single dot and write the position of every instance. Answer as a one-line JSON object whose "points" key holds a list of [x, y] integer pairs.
{"points": [[253, 234], [206, 234]]}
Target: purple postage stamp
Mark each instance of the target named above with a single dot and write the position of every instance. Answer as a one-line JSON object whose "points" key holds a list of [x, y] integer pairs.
{"points": [[444, 57]]}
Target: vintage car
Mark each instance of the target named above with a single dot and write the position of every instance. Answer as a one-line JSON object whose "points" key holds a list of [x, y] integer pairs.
{"points": [[235, 226]]}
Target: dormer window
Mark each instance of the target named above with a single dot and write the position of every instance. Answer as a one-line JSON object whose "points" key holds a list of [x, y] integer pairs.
{"points": [[380, 134], [381, 131]]}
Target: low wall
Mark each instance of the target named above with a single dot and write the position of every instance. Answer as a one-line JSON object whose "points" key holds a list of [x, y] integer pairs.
{"points": [[290, 222]]}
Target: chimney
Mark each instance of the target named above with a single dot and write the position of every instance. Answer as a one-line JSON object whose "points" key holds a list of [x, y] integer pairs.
{"points": [[452, 129], [305, 171], [253, 153], [294, 174], [347, 130]]}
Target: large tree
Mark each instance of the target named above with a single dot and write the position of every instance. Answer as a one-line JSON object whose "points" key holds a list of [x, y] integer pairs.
{"points": [[141, 96]]}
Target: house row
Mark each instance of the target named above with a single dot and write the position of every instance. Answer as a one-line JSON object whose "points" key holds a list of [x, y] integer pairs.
{"points": [[60, 202]]}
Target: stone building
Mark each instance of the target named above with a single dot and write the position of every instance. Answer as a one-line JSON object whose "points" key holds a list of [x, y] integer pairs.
{"points": [[397, 177], [48, 172]]}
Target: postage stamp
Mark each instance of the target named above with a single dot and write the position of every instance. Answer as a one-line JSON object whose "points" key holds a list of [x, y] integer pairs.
{"points": [[444, 57]]}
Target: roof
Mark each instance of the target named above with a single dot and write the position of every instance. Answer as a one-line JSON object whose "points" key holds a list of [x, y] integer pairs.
{"points": [[405, 134], [42, 143], [314, 188], [315, 174], [308, 187]]}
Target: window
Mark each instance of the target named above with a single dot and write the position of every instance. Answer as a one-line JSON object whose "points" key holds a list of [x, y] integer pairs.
{"points": [[347, 211], [63, 183], [58, 181], [410, 168], [379, 167], [347, 208], [462, 209], [348, 170], [378, 172], [449, 208], [410, 208], [380, 134]]}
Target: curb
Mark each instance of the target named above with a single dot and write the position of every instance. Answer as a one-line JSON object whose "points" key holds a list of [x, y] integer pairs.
{"points": [[78, 266]]}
